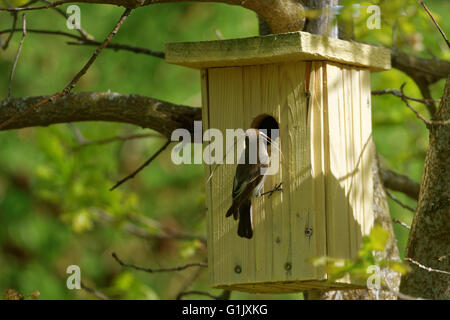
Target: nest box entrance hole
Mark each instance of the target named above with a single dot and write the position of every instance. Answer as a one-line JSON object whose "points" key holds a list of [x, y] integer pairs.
{"points": [[267, 124]]}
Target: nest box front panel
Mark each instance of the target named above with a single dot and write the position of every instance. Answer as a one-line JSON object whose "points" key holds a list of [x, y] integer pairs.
{"points": [[323, 113], [289, 227]]}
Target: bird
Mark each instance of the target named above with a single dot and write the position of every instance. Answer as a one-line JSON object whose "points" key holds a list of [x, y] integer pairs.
{"points": [[249, 180]]}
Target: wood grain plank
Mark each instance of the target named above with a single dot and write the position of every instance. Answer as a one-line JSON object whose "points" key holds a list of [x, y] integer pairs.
{"points": [[208, 186], [317, 216], [357, 177], [294, 46], [338, 241], [350, 161], [368, 156]]}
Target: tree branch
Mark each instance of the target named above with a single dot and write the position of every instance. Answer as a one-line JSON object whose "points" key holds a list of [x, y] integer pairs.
{"points": [[423, 71], [394, 198], [281, 15], [421, 266], [68, 88], [399, 182], [19, 50], [400, 94], [144, 112], [95, 292], [179, 268], [431, 70], [404, 225], [5, 45]]}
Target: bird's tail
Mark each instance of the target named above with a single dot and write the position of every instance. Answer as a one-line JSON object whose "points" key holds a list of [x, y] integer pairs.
{"points": [[245, 229], [233, 211]]}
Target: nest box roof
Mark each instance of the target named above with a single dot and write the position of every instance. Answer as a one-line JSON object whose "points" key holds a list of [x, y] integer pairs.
{"points": [[293, 46]]}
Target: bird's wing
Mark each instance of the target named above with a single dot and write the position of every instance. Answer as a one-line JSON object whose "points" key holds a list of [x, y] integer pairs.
{"points": [[245, 175]]}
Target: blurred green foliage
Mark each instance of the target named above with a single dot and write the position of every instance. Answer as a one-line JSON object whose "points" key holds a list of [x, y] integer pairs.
{"points": [[54, 194], [368, 256]]}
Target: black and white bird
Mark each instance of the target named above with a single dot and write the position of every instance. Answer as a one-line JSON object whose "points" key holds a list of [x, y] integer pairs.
{"points": [[249, 180]]}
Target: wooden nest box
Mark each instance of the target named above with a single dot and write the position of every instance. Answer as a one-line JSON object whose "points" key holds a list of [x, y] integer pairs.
{"points": [[318, 91]]}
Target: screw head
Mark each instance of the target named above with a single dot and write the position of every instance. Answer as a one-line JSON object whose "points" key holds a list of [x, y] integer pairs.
{"points": [[237, 269], [288, 266], [308, 232]]}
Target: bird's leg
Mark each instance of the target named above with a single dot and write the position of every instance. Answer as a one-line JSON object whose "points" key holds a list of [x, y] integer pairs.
{"points": [[270, 192]]}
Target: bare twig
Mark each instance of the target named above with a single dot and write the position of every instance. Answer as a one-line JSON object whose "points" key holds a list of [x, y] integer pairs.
{"points": [[225, 295], [50, 5], [423, 71], [90, 42], [435, 22], [178, 268], [95, 292], [19, 50], [77, 77], [399, 294], [401, 223], [116, 47], [132, 175], [78, 135], [50, 32], [421, 266], [14, 24], [84, 143], [405, 206], [399, 94], [427, 122]]}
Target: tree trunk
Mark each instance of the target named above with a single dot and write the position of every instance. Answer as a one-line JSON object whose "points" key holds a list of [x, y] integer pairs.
{"points": [[429, 239]]}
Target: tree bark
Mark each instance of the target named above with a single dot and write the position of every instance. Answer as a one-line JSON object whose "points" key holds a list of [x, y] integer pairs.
{"points": [[281, 15], [429, 239], [145, 112], [398, 182], [323, 24]]}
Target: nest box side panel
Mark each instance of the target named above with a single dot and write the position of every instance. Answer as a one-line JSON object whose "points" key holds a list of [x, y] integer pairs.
{"points": [[368, 156], [362, 185], [316, 215], [208, 169], [337, 187], [349, 186]]}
